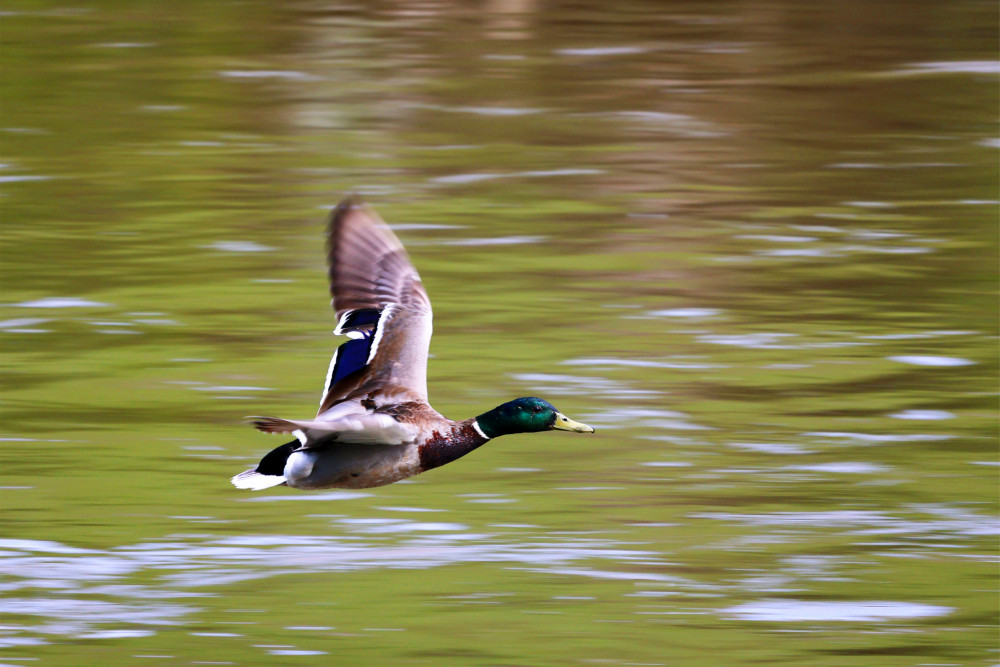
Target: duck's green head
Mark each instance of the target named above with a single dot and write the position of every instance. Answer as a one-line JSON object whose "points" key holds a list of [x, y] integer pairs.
{"points": [[526, 415]]}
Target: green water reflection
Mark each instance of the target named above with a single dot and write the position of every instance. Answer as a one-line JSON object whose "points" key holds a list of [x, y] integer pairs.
{"points": [[754, 244]]}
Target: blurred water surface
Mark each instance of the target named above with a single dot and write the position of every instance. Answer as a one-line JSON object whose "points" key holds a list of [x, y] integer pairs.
{"points": [[754, 244]]}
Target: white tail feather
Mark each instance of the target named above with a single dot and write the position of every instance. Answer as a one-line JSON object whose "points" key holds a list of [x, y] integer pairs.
{"points": [[255, 481]]}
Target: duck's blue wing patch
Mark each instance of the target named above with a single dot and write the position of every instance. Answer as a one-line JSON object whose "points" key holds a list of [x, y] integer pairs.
{"points": [[351, 356], [361, 326]]}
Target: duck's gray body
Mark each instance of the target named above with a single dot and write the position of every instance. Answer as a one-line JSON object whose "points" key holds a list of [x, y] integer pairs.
{"points": [[356, 466], [351, 466]]}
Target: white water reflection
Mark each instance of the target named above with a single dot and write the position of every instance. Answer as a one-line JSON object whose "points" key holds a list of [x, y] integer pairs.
{"points": [[461, 179], [639, 363], [231, 388], [933, 522], [379, 525], [841, 468], [321, 497], [238, 246], [952, 67], [928, 360], [21, 323], [878, 438], [643, 418], [667, 464], [86, 613], [59, 582], [23, 178], [494, 111], [694, 313], [782, 611], [681, 125], [495, 240], [599, 51], [573, 385], [289, 75], [418, 226], [923, 415], [61, 302], [780, 449]]}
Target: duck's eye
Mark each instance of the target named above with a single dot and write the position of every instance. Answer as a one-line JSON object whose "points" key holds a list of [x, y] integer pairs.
{"points": [[536, 409]]}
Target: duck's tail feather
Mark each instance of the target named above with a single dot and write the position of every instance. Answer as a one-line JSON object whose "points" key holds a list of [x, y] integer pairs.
{"points": [[255, 481], [269, 472], [274, 424]]}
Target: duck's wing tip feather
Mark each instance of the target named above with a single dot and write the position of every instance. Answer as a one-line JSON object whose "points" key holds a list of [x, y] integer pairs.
{"points": [[368, 266], [375, 288]]}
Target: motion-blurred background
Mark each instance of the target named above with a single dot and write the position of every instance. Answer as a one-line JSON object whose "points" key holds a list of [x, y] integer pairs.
{"points": [[753, 243]]}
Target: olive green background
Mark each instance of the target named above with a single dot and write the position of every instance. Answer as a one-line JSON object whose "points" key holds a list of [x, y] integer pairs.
{"points": [[754, 244]]}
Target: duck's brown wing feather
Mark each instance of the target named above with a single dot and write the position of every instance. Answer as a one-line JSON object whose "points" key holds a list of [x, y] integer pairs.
{"points": [[373, 283]]}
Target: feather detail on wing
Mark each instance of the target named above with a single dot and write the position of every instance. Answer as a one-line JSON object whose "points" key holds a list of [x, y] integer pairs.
{"points": [[369, 429], [381, 306]]}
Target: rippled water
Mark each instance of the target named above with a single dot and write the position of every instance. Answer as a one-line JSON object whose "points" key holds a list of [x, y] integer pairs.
{"points": [[753, 244]]}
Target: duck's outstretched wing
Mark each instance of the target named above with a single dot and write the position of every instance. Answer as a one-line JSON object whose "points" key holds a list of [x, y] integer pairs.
{"points": [[382, 306]]}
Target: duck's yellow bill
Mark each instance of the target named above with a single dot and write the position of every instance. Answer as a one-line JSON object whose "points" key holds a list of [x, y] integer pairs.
{"points": [[564, 423]]}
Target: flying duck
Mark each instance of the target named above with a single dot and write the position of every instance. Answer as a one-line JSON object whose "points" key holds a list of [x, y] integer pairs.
{"points": [[374, 425]]}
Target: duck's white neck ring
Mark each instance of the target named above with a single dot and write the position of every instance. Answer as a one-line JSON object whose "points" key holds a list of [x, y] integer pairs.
{"points": [[475, 425]]}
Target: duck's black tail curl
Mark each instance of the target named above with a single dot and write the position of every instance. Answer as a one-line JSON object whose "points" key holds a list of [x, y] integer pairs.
{"points": [[274, 462]]}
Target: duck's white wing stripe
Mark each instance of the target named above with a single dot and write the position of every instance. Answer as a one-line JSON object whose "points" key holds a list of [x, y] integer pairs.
{"points": [[329, 376], [339, 329], [380, 329], [356, 319]]}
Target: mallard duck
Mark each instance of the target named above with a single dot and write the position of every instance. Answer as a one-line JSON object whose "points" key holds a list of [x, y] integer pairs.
{"points": [[374, 425]]}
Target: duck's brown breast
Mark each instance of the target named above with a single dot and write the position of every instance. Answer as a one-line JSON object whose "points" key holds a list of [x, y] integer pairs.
{"points": [[449, 444]]}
